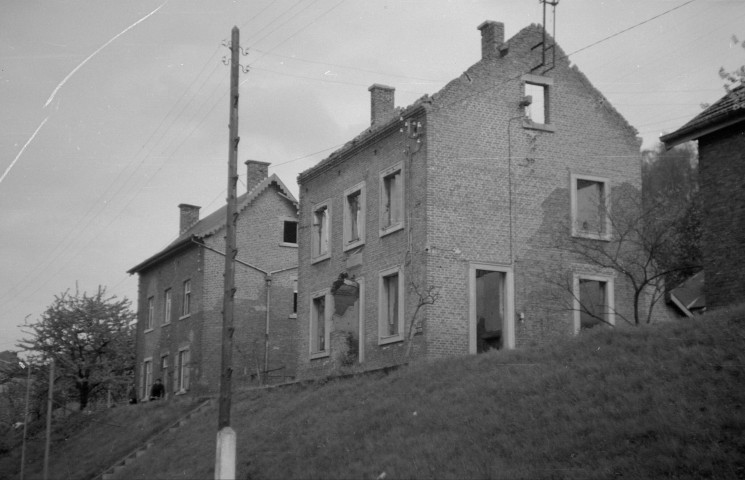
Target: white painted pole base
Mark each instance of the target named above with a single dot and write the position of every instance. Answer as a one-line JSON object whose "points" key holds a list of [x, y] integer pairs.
{"points": [[225, 457]]}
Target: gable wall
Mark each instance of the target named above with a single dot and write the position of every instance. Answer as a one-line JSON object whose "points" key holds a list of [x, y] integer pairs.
{"points": [[472, 185]]}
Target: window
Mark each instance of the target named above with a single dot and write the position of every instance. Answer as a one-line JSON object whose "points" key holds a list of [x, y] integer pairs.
{"points": [[538, 111], [186, 305], [391, 305], [491, 307], [590, 207], [146, 378], [593, 301], [354, 216], [289, 232], [321, 224], [164, 370], [183, 367], [320, 316], [391, 200], [294, 298], [150, 313], [167, 306]]}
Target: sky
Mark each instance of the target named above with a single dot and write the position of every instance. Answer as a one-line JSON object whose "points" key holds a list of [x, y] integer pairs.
{"points": [[113, 113]]}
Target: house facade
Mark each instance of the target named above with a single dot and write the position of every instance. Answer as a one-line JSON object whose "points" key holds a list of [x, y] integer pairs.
{"points": [[434, 232], [180, 298], [720, 131]]}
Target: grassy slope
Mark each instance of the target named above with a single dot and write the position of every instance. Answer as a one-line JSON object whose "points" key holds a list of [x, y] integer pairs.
{"points": [[83, 445], [658, 402]]}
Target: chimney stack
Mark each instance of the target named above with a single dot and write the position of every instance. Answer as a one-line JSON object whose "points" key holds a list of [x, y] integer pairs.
{"points": [[492, 37], [381, 103], [256, 172], [189, 216]]}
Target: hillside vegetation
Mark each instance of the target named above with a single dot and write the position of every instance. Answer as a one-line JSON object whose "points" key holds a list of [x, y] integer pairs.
{"points": [[665, 401]]}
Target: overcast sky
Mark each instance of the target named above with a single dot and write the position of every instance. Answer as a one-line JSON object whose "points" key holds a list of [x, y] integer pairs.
{"points": [[113, 112]]}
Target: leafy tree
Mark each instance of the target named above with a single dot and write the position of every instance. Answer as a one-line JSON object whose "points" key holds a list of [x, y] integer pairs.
{"points": [[733, 78], [90, 339]]}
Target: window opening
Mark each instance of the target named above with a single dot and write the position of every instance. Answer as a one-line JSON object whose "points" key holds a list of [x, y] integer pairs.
{"points": [[490, 310]]}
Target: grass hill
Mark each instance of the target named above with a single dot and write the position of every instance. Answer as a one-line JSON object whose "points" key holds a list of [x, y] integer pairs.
{"points": [[665, 401]]}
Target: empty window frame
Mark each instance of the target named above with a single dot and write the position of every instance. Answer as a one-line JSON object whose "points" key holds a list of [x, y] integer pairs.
{"points": [[321, 238], [289, 232], [186, 304], [391, 305], [150, 313], [354, 216], [590, 207], [391, 199], [538, 110], [183, 370], [167, 302], [594, 302], [320, 323]]}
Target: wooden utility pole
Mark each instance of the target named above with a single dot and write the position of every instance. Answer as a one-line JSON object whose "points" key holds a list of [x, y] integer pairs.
{"points": [[50, 400], [226, 442]]}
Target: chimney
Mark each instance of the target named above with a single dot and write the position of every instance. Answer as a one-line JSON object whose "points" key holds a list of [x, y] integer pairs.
{"points": [[189, 216], [256, 172], [381, 103], [492, 37]]}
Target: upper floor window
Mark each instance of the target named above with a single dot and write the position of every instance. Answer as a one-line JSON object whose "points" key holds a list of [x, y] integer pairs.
{"points": [[537, 101], [391, 199], [590, 207], [150, 313], [320, 234], [354, 216], [186, 305], [289, 232], [167, 302]]}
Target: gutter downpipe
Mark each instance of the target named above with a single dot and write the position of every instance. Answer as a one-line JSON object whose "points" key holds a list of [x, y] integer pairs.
{"points": [[268, 282]]}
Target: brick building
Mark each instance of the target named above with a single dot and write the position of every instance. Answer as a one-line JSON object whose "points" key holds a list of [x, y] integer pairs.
{"points": [[464, 192], [179, 326], [720, 131]]}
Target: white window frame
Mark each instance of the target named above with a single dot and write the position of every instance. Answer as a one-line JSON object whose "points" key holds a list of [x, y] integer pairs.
{"points": [[150, 314], [609, 294], [508, 341], [186, 299], [546, 84], [283, 221], [293, 279], [383, 336], [384, 200], [147, 377], [361, 220], [163, 370], [315, 238], [577, 232], [167, 305], [328, 311], [183, 371]]}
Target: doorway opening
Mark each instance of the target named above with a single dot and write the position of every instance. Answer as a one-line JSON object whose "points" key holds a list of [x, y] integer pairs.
{"points": [[491, 308]]}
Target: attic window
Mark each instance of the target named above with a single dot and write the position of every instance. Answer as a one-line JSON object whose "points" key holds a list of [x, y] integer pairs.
{"points": [[289, 234], [537, 101]]}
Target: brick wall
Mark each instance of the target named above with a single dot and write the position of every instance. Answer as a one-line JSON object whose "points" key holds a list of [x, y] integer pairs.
{"points": [[721, 173]]}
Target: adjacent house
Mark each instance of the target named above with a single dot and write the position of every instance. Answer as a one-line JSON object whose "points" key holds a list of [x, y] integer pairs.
{"points": [[439, 222], [179, 327], [720, 131]]}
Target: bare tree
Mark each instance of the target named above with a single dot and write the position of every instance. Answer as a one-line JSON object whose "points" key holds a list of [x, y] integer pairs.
{"points": [[426, 296]]}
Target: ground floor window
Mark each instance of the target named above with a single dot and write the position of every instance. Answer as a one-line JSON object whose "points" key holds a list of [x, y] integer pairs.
{"points": [[146, 378], [391, 305], [183, 370], [320, 315], [593, 301]]}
